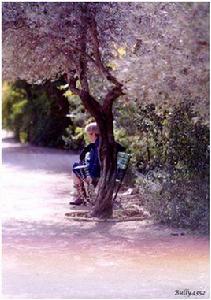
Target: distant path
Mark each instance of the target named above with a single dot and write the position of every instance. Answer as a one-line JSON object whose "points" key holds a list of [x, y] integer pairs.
{"points": [[47, 256]]}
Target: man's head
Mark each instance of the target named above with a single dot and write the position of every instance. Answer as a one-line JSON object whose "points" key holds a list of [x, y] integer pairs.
{"points": [[92, 131]]}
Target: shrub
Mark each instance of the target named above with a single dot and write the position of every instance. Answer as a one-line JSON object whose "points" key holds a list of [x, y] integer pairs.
{"points": [[179, 203], [170, 161]]}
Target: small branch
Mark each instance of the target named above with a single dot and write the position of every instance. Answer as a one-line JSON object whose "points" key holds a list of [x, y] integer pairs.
{"points": [[112, 95], [89, 102], [72, 83], [91, 105], [73, 88]]}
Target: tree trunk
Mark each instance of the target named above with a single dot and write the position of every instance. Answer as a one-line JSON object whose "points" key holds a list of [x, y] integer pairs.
{"points": [[104, 199], [107, 155], [108, 158]]}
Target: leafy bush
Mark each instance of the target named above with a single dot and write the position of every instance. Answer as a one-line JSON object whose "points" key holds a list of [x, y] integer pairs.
{"points": [[170, 161], [176, 202]]}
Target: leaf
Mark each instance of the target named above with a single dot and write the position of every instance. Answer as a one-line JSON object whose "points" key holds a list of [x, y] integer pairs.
{"points": [[121, 51]]}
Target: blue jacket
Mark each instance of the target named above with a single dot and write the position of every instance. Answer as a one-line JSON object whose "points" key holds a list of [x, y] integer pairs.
{"points": [[93, 163]]}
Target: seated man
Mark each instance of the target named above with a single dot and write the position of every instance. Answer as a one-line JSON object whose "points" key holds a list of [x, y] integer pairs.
{"points": [[88, 170]]}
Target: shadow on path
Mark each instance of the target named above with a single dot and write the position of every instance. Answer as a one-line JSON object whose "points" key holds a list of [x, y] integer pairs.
{"points": [[31, 158]]}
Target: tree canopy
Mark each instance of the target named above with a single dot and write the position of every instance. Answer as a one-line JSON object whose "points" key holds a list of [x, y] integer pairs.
{"points": [[157, 51]]}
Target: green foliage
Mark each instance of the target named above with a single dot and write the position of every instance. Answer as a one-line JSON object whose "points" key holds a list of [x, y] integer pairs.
{"points": [[174, 138], [170, 161], [74, 136], [14, 103], [36, 114], [188, 141]]}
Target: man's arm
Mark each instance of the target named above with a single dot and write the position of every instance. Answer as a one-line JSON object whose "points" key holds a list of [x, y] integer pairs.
{"points": [[84, 151]]}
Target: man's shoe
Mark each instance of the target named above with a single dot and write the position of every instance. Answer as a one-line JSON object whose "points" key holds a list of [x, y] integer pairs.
{"points": [[76, 202]]}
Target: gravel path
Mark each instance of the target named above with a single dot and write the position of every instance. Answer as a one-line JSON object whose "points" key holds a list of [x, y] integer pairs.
{"points": [[47, 256]]}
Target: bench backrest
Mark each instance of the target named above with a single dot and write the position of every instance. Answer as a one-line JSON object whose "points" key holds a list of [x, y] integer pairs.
{"points": [[123, 159]]}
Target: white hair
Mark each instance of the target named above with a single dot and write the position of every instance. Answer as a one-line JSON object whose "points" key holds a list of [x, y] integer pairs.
{"points": [[92, 127]]}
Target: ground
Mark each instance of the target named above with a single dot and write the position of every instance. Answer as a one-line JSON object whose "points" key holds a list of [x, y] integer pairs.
{"points": [[45, 255]]}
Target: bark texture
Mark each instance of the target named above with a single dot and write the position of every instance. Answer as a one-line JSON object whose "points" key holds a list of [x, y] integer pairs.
{"points": [[108, 154], [103, 202]]}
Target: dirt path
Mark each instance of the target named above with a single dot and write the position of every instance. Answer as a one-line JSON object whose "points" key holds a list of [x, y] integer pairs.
{"points": [[47, 256]]}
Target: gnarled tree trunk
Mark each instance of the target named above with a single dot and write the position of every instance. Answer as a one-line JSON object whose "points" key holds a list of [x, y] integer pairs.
{"points": [[108, 155], [103, 202]]}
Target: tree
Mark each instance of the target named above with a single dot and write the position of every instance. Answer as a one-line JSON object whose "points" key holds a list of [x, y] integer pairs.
{"points": [[112, 40]]}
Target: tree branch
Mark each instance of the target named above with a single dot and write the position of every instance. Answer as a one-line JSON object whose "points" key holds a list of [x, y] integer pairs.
{"points": [[91, 105], [111, 96], [89, 102], [69, 77], [98, 59], [116, 91], [72, 86], [83, 47]]}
